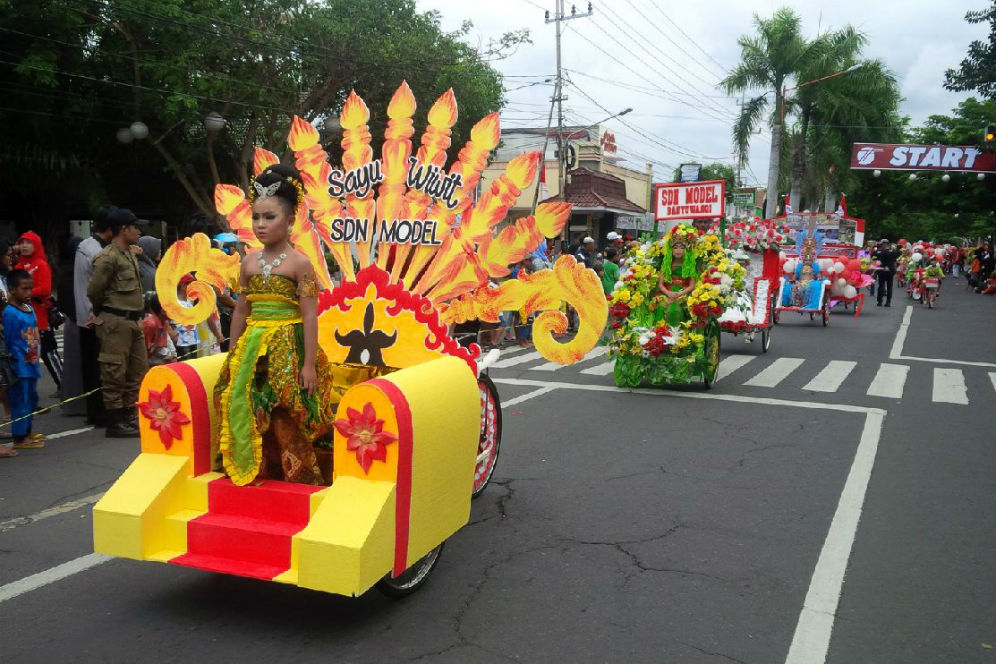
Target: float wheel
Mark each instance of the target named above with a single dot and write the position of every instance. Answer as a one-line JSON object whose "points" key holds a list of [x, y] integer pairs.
{"points": [[412, 578], [490, 439]]}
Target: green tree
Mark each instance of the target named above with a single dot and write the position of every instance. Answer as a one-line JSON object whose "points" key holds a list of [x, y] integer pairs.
{"points": [[978, 70], [77, 71], [930, 207], [714, 171]]}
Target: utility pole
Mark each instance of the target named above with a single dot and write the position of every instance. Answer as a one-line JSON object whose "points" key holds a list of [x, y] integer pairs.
{"points": [[559, 17]]}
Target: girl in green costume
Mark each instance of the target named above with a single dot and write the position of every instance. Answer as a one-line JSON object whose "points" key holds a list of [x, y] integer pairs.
{"points": [[675, 285], [275, 392]]}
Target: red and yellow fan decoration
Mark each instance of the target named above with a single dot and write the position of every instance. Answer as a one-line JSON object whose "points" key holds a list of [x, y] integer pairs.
{"points": [[407, 216]]}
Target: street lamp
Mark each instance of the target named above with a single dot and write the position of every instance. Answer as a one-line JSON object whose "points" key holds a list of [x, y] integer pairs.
{"points": [[945, 178], [876, 173], [214, 121]]}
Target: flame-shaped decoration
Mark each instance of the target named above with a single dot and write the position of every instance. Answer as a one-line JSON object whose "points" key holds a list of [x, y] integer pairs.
{"points": [[454, 274]]}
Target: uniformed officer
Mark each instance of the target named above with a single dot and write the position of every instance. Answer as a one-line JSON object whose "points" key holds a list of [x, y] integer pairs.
{"points": [[115, 290]]}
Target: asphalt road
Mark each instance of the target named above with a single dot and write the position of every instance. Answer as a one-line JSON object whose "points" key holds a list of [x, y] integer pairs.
{"points": [[795, 510]]}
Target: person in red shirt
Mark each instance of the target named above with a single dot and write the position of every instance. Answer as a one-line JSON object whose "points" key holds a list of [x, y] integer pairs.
{"points": [[32, 259]]}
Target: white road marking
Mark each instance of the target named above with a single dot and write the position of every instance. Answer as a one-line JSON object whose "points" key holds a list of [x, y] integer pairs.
{"points": [[775, 372], [597, 351], [949, 387], [51, 575], [830, 379], [518, 359], [897, 347], [527, 396], [71, 432], [603, 369], [811, 639], [900, 340], [69, 506], [730, 363], [992, 377], [889, 381]]}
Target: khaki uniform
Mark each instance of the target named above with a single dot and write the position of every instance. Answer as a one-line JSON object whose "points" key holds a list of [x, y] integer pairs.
{"points": [[115, 289]]}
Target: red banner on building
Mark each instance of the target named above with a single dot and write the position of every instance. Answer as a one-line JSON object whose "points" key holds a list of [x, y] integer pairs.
{"points": [[689, 200], [910, 157]]}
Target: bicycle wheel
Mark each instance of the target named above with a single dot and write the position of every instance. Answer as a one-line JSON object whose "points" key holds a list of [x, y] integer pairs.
{"points": [[412, 578], [490, 438]]}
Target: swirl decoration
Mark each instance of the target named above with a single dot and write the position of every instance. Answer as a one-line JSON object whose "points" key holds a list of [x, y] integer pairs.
{"points": [[450, 277], [213, 268]]}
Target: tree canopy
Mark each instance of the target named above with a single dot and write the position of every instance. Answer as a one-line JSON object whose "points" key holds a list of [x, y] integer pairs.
{"points": [[76, 74], [978, 70]]}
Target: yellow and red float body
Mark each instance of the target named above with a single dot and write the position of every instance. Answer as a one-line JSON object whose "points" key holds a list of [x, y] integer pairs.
{"points": [[169, 506]]}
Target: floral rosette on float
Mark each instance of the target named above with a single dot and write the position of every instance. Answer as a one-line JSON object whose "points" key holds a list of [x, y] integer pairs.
{"points": [[657, 340]]}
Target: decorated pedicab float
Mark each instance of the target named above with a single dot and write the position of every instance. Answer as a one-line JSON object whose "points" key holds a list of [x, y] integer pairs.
{"points": [[417, 428], [823, 268], [657, 341], [755, 245]]}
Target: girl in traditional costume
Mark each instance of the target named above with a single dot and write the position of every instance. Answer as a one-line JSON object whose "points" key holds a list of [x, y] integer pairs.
{"points": [[679, 272], [275, 391]]}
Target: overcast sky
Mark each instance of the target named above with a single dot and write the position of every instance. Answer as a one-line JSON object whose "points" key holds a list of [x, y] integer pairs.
{"points": [[676, 120]]}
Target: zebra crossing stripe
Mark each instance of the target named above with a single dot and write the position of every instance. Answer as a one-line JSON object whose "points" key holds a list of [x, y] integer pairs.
{"points": [[833, 374], [603, 369], [731, 363], [889, 381], [949, 387], [775, 373], [517, 359], [992, 377], [596, 352]]}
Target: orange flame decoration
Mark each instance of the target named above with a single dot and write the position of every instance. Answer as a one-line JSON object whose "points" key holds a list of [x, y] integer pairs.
{"points": [[213, 268], [454, 275]]}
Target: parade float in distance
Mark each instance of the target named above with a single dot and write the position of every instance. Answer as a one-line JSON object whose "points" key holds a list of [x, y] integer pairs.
{"points": [[665, 310], [417, 428], [823, 267]]}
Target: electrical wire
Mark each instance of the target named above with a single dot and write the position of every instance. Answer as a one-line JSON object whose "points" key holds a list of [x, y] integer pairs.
{"points": [[630, 30], [722, 68]]}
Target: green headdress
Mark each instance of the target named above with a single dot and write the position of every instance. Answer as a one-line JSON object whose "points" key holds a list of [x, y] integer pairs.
{"points": [[687, 237]]}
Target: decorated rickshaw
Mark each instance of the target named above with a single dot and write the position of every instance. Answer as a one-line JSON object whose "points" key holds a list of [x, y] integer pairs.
{"points": [[837, 239], [665, 310], [755, 245], [417, 428]]}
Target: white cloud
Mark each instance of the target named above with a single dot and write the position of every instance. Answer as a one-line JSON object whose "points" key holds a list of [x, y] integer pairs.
{"points": [[917, 40]]}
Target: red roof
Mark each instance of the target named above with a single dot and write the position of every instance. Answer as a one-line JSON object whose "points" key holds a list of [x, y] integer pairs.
{"points": [[594, 189]]}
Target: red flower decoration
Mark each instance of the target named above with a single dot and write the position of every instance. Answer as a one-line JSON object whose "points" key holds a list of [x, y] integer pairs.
{"points": [[164, 415], [365, 435]]}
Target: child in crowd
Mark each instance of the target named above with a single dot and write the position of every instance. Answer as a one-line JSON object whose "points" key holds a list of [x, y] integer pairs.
{"points": [[160, 337], [20, 330], [186, 335]]}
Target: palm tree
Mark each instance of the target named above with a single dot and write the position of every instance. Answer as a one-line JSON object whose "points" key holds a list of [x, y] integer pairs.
{"points": [[840, 98], [768, 60], [862, 106]]}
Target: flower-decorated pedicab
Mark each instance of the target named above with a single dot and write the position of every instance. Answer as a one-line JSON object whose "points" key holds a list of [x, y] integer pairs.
{"points": [[665, 310], [416, 429], [755, 245]]}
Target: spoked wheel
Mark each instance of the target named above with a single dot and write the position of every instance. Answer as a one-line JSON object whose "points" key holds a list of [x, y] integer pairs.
{"points": [[765, 339], [826, 315], [490, 439], [775, 316], [712, 356], [412, 578]]}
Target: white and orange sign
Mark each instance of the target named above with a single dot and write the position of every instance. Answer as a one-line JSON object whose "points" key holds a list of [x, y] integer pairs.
{"points": [[689, 200]]}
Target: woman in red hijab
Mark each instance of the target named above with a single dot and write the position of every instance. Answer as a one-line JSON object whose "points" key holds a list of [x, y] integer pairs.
{"points": [[32, 259]]}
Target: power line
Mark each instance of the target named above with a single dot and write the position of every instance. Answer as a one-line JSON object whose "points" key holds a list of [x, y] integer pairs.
{"points": [[673, 147], [722, 68], [672, 97], [660, 58]]}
